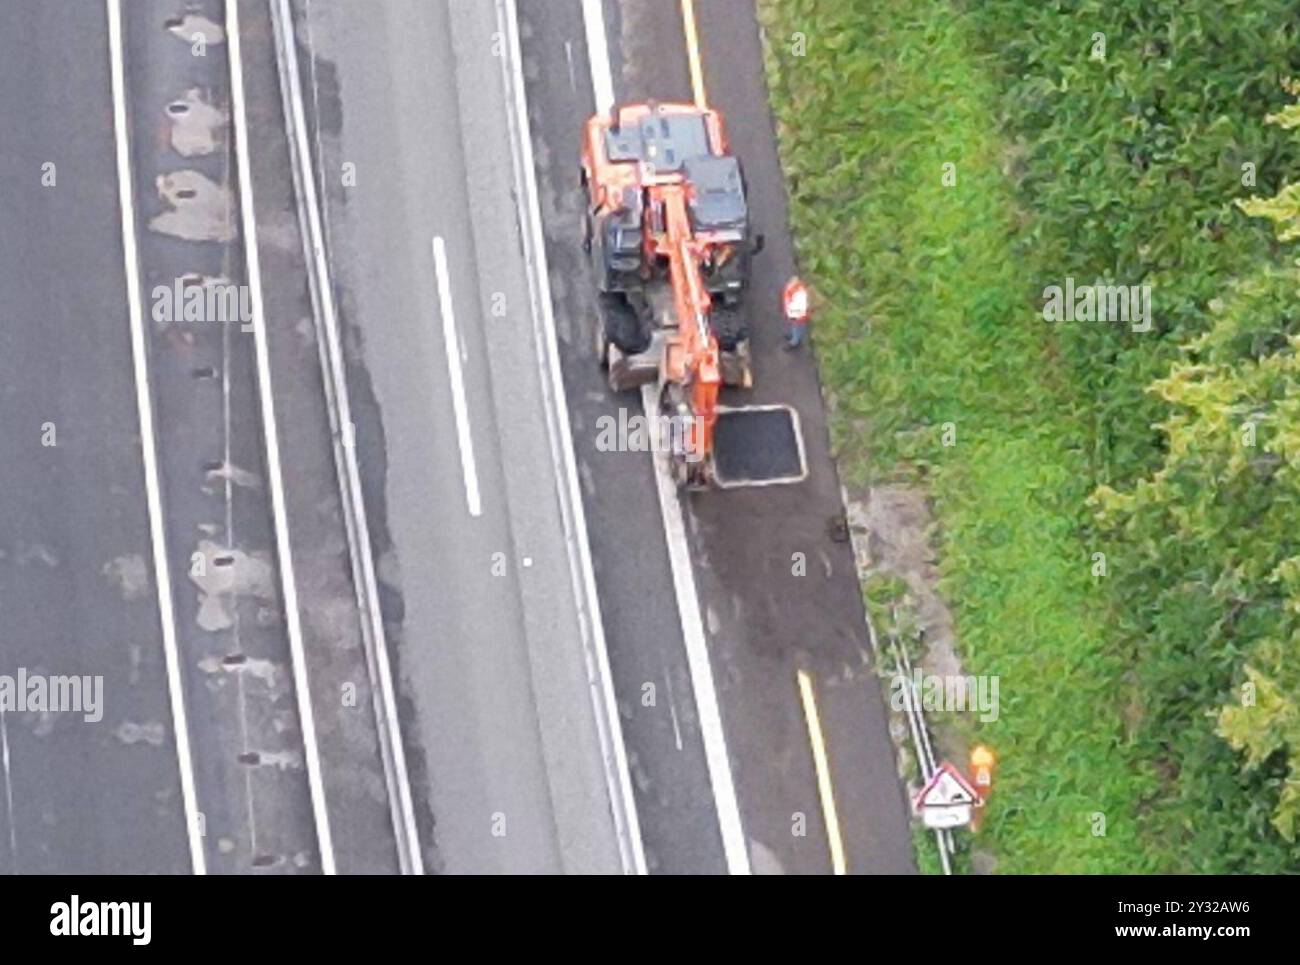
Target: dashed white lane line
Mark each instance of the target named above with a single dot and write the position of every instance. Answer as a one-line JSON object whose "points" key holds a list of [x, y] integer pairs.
{"points": [[459, 406], [672, 709], [144, 405]]}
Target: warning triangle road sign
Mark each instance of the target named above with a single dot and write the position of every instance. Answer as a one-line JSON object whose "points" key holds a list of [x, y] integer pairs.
{"points": [[947, 788]]}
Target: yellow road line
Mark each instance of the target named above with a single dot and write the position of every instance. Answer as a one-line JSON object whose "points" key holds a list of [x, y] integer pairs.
{"points": [[824, 788], [693, 53]]}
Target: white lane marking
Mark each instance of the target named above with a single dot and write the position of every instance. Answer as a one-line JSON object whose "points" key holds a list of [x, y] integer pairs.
{"points": [[572, 512], [697, 654], [148, 443], [688, 603], [672, 708], [602, 81], [9, 794], [241, 689], [573, 74], [316, 235], [461, 409], [275, 479]]}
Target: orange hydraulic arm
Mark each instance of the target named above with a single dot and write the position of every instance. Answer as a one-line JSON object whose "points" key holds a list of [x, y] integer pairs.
{"points": [[691, 355]]}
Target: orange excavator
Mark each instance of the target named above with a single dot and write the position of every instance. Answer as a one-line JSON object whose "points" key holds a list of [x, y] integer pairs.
{"points": [[667, 230]]}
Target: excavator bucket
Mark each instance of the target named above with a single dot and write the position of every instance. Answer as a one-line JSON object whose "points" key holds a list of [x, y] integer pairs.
{"points": [[758, 445]]}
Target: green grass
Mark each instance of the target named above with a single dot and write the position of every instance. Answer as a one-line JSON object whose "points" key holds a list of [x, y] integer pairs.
{"points": [[927, 852], [930, 317]]}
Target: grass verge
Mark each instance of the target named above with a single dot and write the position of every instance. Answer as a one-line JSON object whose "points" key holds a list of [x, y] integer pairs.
{"points": [[940, 369]]}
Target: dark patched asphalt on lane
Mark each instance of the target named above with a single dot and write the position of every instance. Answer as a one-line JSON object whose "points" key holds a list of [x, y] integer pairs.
{"points": [[76, 586]]}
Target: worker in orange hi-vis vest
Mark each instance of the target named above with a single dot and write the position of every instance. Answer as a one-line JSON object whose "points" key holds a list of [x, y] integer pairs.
{"points": [[796, 304]]}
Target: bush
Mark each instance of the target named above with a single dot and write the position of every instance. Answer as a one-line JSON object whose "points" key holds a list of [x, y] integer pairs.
{"points": [[1119, 165]]}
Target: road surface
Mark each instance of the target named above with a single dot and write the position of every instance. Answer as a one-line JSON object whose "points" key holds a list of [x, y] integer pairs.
{"points": [[487, 611], [764, 623], [409, 97], [74, 531]]}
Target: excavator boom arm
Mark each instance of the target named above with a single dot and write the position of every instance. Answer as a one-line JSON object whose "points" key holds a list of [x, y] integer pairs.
{"points": [[693, 357]]}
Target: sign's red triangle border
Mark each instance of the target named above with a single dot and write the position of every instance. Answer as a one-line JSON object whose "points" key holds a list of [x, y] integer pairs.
{"points": [[977, 799]]}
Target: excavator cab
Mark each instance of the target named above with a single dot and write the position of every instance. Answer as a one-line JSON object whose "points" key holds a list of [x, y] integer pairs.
{"points": [[720, 216]]}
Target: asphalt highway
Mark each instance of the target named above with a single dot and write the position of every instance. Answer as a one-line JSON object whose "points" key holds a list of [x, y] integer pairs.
{"points": [[498, 606], [472, 554], [75, 796], [480, 564]]}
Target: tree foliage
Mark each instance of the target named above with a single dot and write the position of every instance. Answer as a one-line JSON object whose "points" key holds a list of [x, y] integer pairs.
{"points": [[1213, 549]]}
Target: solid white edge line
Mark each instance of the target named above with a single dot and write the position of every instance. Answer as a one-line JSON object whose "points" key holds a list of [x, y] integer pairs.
{"points": [[697, 653], [284, 552], [688, 604], [458, 404], [573, 514], [336, 383], [153, 488]]}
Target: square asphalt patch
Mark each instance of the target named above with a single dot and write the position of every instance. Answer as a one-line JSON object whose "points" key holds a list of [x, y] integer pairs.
{"points": [[758, 446]]}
